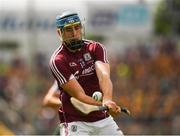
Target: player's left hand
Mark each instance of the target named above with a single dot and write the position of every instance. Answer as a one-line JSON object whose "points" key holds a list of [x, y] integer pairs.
{"points": [[114, 109]]}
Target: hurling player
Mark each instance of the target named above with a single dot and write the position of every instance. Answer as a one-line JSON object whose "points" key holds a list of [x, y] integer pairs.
{"points": [[81, 67]]}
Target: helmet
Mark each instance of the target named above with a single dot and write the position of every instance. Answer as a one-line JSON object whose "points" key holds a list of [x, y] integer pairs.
{"points": [[67, 19]]}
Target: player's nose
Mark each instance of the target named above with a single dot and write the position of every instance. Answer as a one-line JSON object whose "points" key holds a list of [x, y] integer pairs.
{"points": [[74, 31]]}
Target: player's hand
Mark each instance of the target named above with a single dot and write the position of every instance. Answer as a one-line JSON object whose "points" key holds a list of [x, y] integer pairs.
{"points": [[114, 109]]}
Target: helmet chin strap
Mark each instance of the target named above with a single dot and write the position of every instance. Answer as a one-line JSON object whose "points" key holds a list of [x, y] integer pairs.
{"points": [[74, 45]]}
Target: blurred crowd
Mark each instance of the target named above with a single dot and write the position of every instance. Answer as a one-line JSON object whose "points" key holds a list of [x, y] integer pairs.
{"points": [[146, 80], [22, 88]]}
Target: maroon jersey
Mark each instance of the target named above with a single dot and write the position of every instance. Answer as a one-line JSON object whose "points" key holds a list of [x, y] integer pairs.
{"points": [[66, 65]]}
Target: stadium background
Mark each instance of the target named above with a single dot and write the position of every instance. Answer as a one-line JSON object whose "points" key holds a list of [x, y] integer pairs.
{"points": [[142, 38]]}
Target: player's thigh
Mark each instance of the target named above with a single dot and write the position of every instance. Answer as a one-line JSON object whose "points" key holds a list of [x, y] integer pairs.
{"points": [[73, 128], [109, 127]]}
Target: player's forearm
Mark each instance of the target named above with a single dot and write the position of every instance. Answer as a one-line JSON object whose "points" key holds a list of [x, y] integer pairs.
{"points": [[74, 89], [103, 73], [106, 87], [89, 100], [52, 102]]}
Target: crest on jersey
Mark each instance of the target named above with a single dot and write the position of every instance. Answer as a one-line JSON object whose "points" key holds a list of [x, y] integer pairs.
{"points": [[87, 56], [73, 128]]}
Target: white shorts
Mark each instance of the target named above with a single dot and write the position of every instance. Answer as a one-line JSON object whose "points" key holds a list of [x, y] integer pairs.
{"points": [[105, 126]]}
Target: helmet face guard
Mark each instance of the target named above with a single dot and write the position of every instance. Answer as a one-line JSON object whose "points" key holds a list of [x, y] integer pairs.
{"points": [[74, 44], [65, 20]]}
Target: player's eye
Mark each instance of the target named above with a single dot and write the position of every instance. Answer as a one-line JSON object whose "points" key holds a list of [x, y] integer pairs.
{"points": [[69, 29], [77, 27]]}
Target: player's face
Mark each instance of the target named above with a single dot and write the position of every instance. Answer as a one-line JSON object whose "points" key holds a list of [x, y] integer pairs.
{"points": [[72, 32]]}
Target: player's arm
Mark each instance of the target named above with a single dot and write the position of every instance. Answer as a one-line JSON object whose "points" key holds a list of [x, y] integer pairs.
{"points": [[74, 89], [103, 73], [51, 98]]}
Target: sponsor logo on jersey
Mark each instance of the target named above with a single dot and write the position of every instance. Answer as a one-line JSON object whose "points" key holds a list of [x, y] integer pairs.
{"points": [[72, 64], [87, 56], [88, 70]]}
